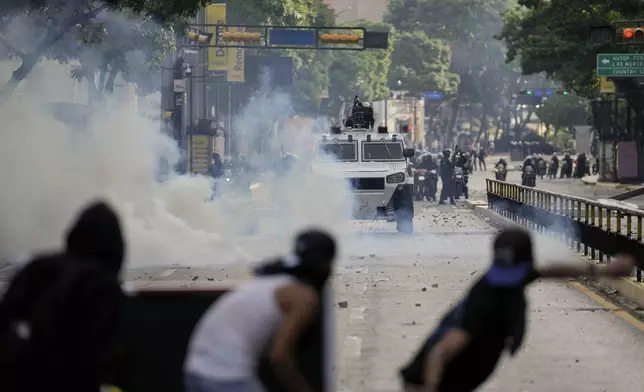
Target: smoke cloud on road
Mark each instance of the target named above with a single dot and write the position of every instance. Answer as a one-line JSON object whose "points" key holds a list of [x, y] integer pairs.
{"points": [[50, 170], [550, 243]]}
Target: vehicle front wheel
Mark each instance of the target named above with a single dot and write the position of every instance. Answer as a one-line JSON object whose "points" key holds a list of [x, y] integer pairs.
{"points": [[404, 205]]}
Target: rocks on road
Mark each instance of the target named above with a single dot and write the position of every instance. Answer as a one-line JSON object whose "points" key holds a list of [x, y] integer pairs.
{"points": [[391, 289]]}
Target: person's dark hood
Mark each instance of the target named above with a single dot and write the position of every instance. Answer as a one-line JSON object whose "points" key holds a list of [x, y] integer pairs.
{"points": [[97, 235]]}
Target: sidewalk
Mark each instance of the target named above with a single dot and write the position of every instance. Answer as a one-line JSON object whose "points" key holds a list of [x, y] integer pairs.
{"points": [[594, 181]]}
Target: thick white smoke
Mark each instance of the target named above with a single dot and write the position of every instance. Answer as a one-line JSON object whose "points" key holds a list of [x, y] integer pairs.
{"points": [[50, 171]]}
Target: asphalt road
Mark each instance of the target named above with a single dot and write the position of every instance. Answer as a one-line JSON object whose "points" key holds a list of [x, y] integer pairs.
{"points": [[396, 287]]}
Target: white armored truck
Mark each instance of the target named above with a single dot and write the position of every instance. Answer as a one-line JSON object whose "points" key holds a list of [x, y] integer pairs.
{"points": [[375, 163]]}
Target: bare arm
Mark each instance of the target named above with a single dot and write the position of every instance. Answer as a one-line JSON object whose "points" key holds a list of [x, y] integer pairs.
{"points": [[621, 265], [452, 343], [300, 305]]}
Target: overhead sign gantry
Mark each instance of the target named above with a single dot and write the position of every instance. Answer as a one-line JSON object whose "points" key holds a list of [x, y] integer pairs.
{"points": [[286, 37]]}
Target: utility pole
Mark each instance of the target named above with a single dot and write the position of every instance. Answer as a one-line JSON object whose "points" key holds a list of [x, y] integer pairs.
{"points": [[416, 130], [200, 72]]}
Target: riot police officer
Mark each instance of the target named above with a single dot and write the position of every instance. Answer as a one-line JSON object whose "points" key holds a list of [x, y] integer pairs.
{"points": [[447, 177]]}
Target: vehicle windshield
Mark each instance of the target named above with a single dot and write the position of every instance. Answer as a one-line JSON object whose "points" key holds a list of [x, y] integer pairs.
{"points": [[382, 151], [341, 151]]}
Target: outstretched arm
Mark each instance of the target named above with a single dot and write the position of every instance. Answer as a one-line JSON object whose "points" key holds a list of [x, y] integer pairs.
{"points": [[621, 265]]}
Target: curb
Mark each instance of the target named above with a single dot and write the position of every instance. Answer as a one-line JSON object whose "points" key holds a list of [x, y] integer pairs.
{"points": [[610, 185], [626, 287]]}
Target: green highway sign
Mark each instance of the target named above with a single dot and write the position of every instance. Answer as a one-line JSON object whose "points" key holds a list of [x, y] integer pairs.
{"points": [[624, 65]]}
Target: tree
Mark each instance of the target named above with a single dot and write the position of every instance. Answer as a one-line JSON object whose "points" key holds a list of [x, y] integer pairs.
{"points": [[363, 73], [553, 37], [562, 113], [421, 64], [127, 44], [469, 28], [68, 24]]}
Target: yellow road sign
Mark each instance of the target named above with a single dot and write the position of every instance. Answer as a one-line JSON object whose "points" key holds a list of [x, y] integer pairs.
{"points": [[606, 86], [217, 57]]}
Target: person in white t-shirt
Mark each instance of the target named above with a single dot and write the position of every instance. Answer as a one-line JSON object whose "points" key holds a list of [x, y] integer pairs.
{"points": [[277, 306]]}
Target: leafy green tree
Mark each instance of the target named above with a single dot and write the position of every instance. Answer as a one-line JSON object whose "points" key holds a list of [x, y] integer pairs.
{"points": [[421, 64], [126, 44], [469, 28], [553, 37], [363, 73], [63, 29], [563, 113]]}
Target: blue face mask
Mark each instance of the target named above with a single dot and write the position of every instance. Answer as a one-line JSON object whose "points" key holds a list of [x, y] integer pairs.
{"points": [[506, 272]]}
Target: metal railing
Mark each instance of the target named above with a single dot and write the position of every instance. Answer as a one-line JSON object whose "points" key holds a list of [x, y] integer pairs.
{"points": [[595, 229]]}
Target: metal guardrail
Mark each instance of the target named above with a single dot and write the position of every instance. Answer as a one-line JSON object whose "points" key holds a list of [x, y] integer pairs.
{"points": [[595, 229]]}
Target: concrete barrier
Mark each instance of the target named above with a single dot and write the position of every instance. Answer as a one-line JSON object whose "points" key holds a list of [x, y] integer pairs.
{"points": [[157, 326]]}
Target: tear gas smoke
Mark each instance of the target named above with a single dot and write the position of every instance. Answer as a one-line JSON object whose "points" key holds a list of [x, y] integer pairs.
{"points": [[50, 171], [549, 245]]}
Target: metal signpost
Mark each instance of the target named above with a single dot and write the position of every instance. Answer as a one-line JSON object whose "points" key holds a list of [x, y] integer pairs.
{"points": [[620, 65]]}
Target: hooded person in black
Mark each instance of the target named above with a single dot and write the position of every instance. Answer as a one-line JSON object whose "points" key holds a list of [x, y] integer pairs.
{"points": [[59, 314], [463, 351]]}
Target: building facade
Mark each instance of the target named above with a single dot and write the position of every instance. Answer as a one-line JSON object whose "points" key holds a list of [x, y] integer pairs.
{"points": [[348, 10]]}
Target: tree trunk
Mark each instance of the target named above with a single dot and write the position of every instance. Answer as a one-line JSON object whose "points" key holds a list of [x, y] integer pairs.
{"points": [[30, 60], [452, 121], [572, 130], [499, 126], [93, 94], [484, 124], [109, 85], [546, 134], [101, 80], [520, 127]]}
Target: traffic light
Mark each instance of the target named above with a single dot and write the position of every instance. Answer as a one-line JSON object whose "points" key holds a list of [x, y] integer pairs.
{"points": [[633, 34], [340, 38], [529, 96], [561, 91], [199, 38], [240, 36]]}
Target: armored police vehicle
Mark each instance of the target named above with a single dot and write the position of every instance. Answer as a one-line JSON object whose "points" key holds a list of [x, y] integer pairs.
{"points": [[376, 165]]}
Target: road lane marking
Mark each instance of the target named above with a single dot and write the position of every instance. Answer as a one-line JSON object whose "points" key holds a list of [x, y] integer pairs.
{"points": [[168, 272], [618, 311], [352, 346], [357, 313]]}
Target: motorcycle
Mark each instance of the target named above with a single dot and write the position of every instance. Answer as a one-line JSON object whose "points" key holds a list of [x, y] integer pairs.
{"points": [[529, 177], [432, 185], [500, 172], [566, 170], [541, 168], [425, 184], [552, 170], [420, 176], [460, 183]]}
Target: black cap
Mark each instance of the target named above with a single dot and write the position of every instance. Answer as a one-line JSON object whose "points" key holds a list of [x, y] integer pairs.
{"points": [[314, 246], [513, 258], [97, 235], [515, 241]]}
